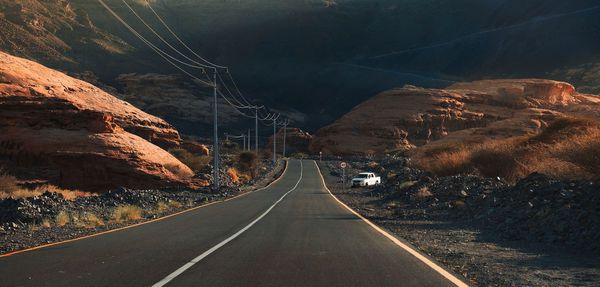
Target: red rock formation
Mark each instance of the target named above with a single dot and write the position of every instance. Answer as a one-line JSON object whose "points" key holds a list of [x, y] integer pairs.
{"points": [[401, 119], [296, 141], [77, 136]]}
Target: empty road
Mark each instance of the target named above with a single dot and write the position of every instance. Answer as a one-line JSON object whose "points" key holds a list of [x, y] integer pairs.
{"points": [[293, 233]]}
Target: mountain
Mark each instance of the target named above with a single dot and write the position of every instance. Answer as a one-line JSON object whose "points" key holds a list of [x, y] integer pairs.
{"points": [[468, 113], [72, 134], [318, 57]]}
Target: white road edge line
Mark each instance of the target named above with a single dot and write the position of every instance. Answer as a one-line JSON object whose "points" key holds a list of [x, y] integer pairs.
{"points": [[413, 252], [183, 268]]}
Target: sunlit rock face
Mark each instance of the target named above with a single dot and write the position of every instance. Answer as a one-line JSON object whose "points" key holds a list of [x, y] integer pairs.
{"points": [[402, 119], [73, 134]]}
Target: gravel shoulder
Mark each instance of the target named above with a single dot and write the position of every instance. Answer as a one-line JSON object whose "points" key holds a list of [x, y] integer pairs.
{"points": [[30, 222], [411, 205]]}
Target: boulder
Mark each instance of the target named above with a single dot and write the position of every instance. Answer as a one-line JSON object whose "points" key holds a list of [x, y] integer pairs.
{"points": [[74, 135]]}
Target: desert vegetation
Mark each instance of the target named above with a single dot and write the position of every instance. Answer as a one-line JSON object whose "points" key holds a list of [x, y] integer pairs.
{"points": [[194, 161], [569, 148], [126, 213], [248, 163]]}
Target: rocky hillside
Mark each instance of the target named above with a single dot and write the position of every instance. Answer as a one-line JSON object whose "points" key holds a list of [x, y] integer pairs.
{"points": [[296, 141], [54, 32], [72, 134], [401, 119], [321, 57]]}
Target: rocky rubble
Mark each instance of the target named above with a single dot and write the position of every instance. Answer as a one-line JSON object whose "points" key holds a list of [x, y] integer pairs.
{"points": [[539, 232], [537, 209]]}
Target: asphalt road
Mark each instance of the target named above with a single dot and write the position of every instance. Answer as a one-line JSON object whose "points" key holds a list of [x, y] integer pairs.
{"points": [[293, 233]]}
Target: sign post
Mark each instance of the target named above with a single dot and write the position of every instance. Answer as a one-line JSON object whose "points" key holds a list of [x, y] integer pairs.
{"points": [[343, 166]]}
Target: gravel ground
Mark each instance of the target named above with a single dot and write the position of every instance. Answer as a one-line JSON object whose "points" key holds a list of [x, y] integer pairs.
{"points": [[540, 232], [22, 220]]}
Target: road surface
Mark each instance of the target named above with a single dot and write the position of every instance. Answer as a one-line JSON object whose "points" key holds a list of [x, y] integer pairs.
{"points": [[293, 233]]}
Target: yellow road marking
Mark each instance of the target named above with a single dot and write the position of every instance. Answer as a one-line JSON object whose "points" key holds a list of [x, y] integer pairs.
{"points": [[146, 222], [413, 252]]}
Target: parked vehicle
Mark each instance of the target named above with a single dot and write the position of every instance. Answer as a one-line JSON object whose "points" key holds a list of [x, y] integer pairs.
{"points": [[366, 179]]}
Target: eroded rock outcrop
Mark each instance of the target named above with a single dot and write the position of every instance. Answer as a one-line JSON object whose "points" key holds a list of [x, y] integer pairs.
{"points": [[75, 135], [401, 119]]}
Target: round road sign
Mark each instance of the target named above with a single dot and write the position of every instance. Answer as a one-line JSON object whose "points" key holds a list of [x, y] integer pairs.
{"points": [[343, 165]]}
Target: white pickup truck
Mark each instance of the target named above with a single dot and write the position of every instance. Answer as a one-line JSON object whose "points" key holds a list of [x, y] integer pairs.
{"points": [[366, 179]]}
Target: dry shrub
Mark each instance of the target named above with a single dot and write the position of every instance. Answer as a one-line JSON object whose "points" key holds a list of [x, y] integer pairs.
{"points": [[46, 223], [406, 184], [126, 213], [569, 148], [443, 159], [91, 220], [193, 161], [423, 192], [248, 163], [8, 183], [372, 164], [266, 154], [162, 207], [62, 218], [175, 204]]}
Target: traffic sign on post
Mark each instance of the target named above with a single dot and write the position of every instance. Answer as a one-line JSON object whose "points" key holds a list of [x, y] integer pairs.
{"points": [[343, 165]]}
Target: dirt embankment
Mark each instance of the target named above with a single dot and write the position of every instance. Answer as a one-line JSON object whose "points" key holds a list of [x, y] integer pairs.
{"points": [[539, 232]]}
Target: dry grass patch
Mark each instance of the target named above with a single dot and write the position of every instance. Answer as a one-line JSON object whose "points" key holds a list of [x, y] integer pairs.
{"points": [[125, 213], [423, 192], [406, 184], [175, 204], [237, 177], [569, 148], [194, 161], [162, 207], [90, 220], [26, 192], [8, 183]]}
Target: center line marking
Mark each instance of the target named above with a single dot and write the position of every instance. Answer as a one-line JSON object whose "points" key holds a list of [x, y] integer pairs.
{"points": [[182, 269]]}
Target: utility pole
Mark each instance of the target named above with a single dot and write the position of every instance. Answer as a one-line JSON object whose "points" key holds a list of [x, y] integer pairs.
{"points": [[244, 144], [248, 139], [274, 140], [216, 134], [284, 135], [256, 130]]}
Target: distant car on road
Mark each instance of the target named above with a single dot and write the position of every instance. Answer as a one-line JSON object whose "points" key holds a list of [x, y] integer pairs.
{"points": [[366, 179]]}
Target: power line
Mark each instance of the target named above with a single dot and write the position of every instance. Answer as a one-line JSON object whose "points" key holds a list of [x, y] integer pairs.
{"points": [[160, 19], [161, 38], [238, 106], [178, 39], [157, 50]]}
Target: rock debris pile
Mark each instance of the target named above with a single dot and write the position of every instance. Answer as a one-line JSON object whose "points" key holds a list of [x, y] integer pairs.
{"points": [[538, 208]]}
